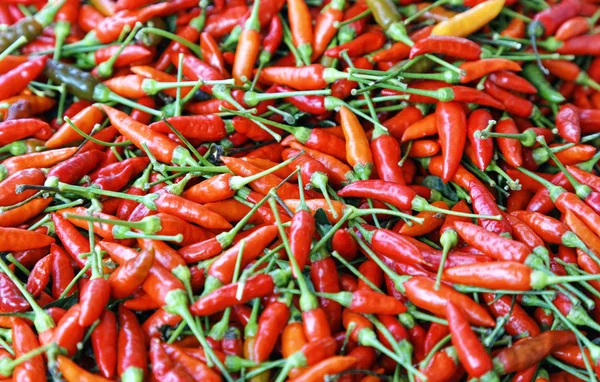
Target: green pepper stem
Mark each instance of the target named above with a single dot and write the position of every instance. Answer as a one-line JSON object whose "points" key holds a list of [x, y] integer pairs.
{"points": [[252, 98]]}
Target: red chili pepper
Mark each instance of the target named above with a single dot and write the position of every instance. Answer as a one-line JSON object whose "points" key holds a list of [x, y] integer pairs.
{"points": [[324, 277], [248, 48], [484, 204], [484, 148], [494, 245], [331, 365], [68, 331], [470, 350], [223, 297], [220, 24], [510, 148], [358, 151], [221, 271], [512, 104], [12, 300], [532, 350], [132, 351], [568, 123], [511, 81], [212, 53], [451, 123], [365, 43], [457, 47], [39, 276], [17, 79], [525, 234], [302, 78], [104, 344], [443, 365], [546, 22], [196, 369], [163, 368], [325, 29], [270, 325], [164, 149], [272, 40], [196, 69], [421, 292], [35, 160], [130, 275], [109, 29], [8, 196], [25, 340]]}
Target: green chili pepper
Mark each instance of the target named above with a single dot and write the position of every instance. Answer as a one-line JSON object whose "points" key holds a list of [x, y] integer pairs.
{"points": [[534, 74]]}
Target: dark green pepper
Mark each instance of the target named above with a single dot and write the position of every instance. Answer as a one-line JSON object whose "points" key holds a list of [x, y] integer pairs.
{"points": [[151, 39], [534, 74], [85, 86], [29, 27], [388, 17]]}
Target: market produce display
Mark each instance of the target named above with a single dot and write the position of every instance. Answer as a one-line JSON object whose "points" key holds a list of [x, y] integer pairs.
{"points": [[302, 190]]}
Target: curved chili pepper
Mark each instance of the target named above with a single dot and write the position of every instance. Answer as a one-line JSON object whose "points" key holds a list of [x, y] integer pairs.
{"points": [[535, 75], [535, 348], [39, 276], [421, 292]]}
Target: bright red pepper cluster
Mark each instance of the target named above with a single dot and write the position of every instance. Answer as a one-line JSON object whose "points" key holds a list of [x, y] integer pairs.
{"points": [[299, 190]]}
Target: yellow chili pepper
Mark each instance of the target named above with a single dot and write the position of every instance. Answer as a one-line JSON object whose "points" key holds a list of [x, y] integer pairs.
{"points": [[465, 23]]}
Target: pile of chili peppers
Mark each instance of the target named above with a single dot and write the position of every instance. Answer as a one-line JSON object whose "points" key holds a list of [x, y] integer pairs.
{"points": [[299, 190]]}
